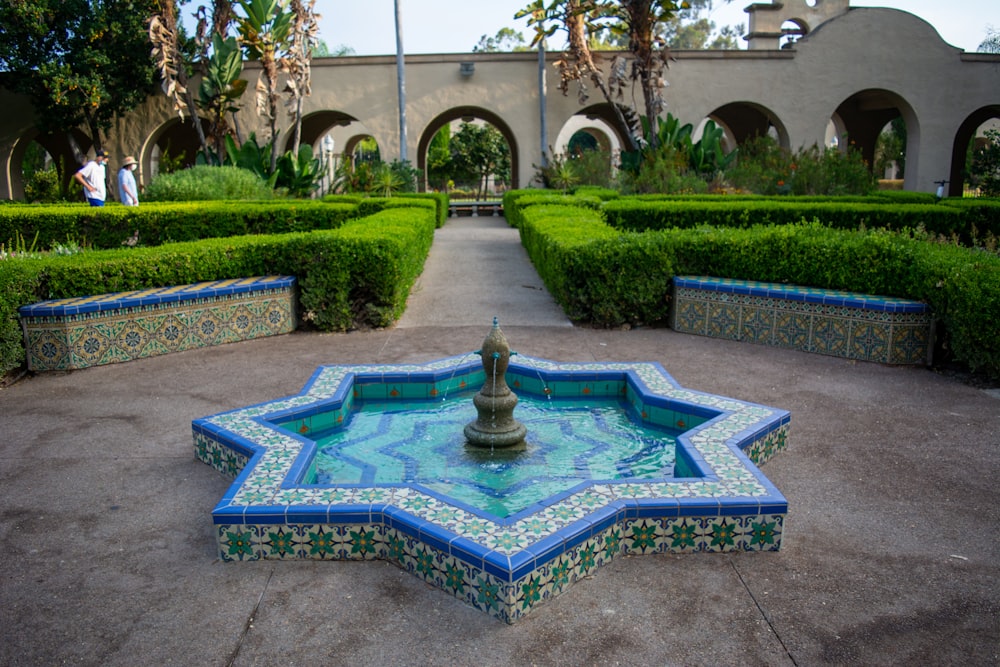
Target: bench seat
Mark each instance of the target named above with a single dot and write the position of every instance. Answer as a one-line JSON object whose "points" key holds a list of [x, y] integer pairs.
{"points": [[67, 334], [833, 322]]}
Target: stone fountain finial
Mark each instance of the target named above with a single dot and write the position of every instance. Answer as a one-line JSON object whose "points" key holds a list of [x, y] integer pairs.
{"points": [[495, 402]]}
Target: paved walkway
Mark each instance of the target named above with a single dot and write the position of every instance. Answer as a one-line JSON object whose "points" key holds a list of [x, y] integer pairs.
{"points": [[891, 553], [477, 270]]}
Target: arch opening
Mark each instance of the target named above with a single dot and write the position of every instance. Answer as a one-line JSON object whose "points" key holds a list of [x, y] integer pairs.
{"points": [[863, 118], [968, 137], [434, 149]]}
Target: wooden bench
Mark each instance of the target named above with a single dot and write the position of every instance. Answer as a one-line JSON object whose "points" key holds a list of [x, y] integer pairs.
{"points": [[832, 322], [65, 334]]}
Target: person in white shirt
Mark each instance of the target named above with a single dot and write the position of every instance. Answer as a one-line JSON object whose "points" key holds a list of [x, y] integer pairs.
{"points": [[92, 176], [127, 191]]}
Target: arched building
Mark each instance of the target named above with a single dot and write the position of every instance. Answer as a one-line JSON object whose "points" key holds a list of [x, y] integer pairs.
{"points": [[811, 66]]}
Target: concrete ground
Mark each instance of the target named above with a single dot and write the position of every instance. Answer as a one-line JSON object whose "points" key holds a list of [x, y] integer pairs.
{"points": [[891, 551]]}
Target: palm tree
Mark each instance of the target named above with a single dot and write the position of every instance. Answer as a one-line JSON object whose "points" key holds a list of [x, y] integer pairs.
{"points": [[297, 63], [578, 62], [264, 34]]}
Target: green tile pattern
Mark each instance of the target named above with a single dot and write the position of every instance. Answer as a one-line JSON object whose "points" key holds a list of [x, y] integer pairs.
{"points": [[269, 513], [848, 331], [78, 340]]}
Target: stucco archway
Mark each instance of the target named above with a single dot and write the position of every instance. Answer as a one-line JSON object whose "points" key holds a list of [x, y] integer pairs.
{"points": [[465, 113], [966, 131], [743, 121], [59, 149], [865, 114], [176, 138]]}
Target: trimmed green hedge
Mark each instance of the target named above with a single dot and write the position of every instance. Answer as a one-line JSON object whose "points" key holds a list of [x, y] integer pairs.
{"points": [[949, 221], [109, 226], [356, 275], [610, 277]]}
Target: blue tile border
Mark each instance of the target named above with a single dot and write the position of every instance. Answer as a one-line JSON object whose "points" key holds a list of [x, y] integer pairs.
{"points": [[583, 527], [828, 297], [154, 296]]}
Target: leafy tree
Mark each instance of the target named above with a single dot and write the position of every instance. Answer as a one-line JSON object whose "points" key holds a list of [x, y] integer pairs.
{"points": [[985, 168], [82, 62], [992, 42], [296, 63], [578, 62], [221, 87], [439, 158], [176, 60], [891, 147], [638, 24], [479, 152], [689, 28], [506, 39], [639, 19]]}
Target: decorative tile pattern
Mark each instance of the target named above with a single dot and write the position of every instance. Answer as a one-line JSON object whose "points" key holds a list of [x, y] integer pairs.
{"points": [[65, 334], [503, 566], [841, 324]]}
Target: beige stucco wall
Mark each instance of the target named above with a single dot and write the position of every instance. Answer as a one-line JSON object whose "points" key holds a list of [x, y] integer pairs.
{"points": [[935, 86]]}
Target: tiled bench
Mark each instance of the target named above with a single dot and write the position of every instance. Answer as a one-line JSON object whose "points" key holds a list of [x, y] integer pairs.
{"points": [[65, 334], [842, 324]]}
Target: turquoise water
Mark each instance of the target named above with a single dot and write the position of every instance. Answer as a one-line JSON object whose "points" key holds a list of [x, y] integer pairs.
{"points": [[570, 441]]}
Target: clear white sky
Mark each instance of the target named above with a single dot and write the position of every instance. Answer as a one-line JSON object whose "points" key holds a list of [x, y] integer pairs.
{"points": [[455, 26]]}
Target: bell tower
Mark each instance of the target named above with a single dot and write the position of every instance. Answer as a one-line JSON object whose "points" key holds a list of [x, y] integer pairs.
{"points": [[768, 20]]}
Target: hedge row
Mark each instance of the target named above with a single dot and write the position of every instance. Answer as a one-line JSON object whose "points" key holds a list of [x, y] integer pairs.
{"points": [[965, 222], [356, 275], [108, 227], [610, 277]]}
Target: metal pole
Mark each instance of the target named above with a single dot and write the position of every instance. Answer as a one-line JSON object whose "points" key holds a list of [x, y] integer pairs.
{"points": [[401, 82], [541, 102]]}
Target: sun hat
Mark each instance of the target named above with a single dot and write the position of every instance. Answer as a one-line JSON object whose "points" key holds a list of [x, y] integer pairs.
{"points": [[128, 161]]}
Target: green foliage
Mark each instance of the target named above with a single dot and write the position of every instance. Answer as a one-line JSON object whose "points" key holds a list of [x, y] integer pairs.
{"points": [[439, 159], [589, 270], [984, 170], [593, 168], [221, 86], [42, 187], [671, 162], [559, 174], [299, 176], [479, 152], [356, 275], [891, 147], [639, 214], [159, 223], [506, 39], [204, 183], [766, 168], [376, 177], [81, 62], [660, 170], [252, 156], [263, 26]]}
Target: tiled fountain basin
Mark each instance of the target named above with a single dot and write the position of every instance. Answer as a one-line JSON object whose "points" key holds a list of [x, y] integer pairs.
{"points": [[503, 566]]}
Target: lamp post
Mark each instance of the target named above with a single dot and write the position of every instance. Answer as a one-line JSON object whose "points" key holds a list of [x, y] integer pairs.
{"points": [[328, 146]]}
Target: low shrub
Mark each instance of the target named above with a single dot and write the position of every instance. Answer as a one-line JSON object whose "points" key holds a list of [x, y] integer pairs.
{"points": [[610, 277], [356, 275], [206, 183], [110, 226]]}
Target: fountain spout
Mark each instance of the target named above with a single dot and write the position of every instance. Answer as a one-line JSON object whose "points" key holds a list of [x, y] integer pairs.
{"points": [[495, 402]]}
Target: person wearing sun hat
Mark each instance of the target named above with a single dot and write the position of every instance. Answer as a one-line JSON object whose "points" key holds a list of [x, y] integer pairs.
{"points": [[127, 191], [92, 177]]}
